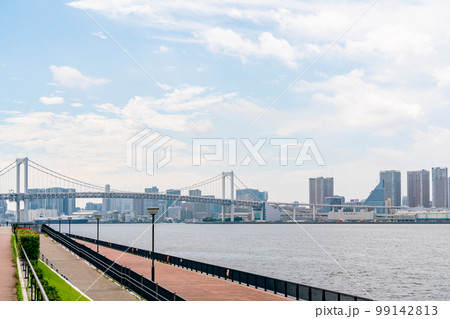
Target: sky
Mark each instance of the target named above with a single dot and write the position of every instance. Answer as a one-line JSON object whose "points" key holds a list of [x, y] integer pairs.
{"points": [[367, 81]]}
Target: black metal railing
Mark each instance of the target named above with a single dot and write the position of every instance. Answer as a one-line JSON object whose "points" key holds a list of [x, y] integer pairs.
{"points": [[37, 292], [125, 276], [276, 286]]}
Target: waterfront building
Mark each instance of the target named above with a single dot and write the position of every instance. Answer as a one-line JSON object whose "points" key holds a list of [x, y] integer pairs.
{"points": [[334, 200], [153, 202], [418, 183], [376, 197], [195, 192], [64, 206], [93, 206], [440, 187], [320, 188], [139, 207], [3, 206], [106, 202], [171, 203], [251, 194], [360, 215], [405, 201], [392, 187]]}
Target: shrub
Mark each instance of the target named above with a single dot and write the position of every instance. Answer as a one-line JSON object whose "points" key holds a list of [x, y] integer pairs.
{"points": [[29, 239]]}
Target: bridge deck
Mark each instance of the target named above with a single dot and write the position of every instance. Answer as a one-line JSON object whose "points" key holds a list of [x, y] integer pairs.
{"points": [[186, 283], [7, 267]]}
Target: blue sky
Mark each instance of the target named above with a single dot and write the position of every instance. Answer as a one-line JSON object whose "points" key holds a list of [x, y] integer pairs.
{"points": [[377, 99]]}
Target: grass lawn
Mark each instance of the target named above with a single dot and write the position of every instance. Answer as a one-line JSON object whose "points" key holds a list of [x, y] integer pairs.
{"points": [[65, 291]]}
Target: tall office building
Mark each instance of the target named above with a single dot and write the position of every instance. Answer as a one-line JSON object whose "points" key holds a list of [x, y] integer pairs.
{"points": [[106, 202], [392, 187], [418, 188], [171, 203], [251, 194], [195, 192], [440, 187], [320, 188], [138, 206], [3, 206], [152, 202], [62, 205]]}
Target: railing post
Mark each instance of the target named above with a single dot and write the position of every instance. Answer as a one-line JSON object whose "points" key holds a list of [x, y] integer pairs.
{"points": [[285, 289], [275, 286], [309, 294], [297, 292]]}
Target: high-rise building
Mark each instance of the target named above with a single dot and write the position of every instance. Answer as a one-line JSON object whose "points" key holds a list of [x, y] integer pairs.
{"points": [[93, 206], [195, 192], [392, 187], [320, 188], [418, 188], [3, 206], [152, 202], [440, 187], [138, 206], [334, 200], [62, 205], [171, 203], [251, 194], [376, 197], [106, 202]]}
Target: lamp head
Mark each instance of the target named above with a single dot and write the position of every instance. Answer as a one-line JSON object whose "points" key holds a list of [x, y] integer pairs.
{"points": [[69, 218], [59, 218], [153, 210], [98, 216]]}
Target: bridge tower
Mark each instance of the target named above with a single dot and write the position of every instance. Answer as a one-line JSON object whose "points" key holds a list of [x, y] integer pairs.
{"points": [[19, 163], [231, 176]]}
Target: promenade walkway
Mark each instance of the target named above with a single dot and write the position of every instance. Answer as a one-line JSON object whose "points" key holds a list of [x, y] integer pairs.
{"points": [[86, 278], [188, 284], [8, 278]]}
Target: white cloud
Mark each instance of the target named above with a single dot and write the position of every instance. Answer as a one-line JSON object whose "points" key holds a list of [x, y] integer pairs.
{"points": [[227, 41], [183, 108], [99, 34], [398, 43], [50, 100], [164, 49], [347, 102], [442, 76], [76, 104], [71, 77]]}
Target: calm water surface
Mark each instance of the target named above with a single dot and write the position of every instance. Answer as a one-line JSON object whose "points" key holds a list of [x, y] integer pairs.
{"points": [[390, 262]]}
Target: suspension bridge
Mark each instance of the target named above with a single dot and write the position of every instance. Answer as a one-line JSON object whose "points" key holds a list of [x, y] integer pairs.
{"points": [[24, 180]]}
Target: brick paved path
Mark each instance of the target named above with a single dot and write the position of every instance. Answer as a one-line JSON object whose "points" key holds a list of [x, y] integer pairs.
{"points": [[8, 278], [186, 283]]}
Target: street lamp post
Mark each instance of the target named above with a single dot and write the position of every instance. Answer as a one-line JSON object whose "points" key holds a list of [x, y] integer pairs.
{"points": [[97, 217], [153, 211], [70, 219], [59, 221], [48, 219]]}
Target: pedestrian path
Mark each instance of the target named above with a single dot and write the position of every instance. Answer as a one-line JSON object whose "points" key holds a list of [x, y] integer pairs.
{"points": [[8, 278], [186, 283], [84, 277]]}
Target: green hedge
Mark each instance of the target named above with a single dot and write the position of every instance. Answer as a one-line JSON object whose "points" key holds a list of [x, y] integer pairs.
{"points": [[30, 241]]}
